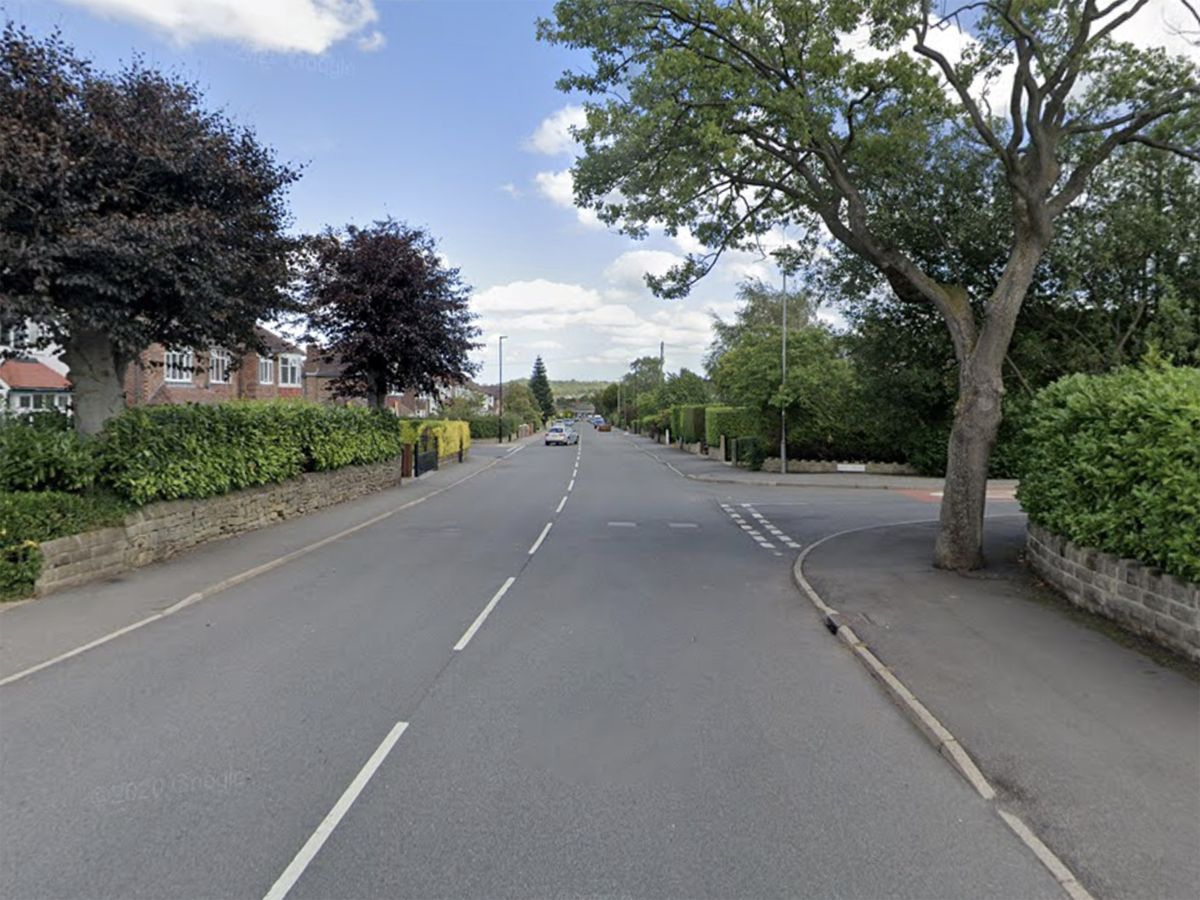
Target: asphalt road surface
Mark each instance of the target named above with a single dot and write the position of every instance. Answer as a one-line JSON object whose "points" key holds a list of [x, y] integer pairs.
{"points": [[647, 709]]}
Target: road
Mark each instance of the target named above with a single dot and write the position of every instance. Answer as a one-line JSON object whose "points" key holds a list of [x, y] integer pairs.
{"points": [[647, 709]]}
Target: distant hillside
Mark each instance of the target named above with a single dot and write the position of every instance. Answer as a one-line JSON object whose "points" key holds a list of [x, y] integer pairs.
{"points": [[579, 389]]}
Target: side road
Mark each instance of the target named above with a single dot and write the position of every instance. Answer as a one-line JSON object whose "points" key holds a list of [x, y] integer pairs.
{"points": [[34, 631], [1089, 736]]}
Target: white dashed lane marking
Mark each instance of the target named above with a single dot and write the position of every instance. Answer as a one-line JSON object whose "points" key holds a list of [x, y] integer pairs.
{"points": [[760, 521]]}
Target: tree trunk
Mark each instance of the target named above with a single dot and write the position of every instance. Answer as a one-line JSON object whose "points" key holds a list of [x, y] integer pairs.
{"points": [[959, 544], [96, 369]]}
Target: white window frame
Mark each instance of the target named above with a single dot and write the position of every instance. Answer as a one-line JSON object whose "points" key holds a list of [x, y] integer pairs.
{"points": [[266, 370], [220, 363], [290, 370], [179, 366]]}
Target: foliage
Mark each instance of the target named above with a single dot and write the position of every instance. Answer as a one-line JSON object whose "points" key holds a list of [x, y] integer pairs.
{"points": [[730, 119], [453, 437], [540, 385], [464, 406], [174, 452], [42, 452], [389, 311], [488, 427], [761, 308], [691, 424], [130, 215], [520, 402], [1114, 463], [30, 518], [730, 421]]}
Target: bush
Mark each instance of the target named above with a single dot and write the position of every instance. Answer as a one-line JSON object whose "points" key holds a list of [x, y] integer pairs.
{"points": [[27, 519], [1113, 462], [42, 452], [488, 427], [176, 452], [731, 421], [691, 424]]}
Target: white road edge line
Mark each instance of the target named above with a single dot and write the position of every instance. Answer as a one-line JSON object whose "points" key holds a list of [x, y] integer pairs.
{"points": [[482, 617], [561, 504], [235, 580], [541, 537], [296, 868]]}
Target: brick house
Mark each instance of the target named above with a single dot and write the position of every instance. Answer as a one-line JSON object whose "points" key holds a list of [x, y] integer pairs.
{"points": [[319, 373], [160, 375]]}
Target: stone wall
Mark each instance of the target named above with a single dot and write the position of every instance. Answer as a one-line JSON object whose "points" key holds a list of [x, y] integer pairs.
{"points": [[1137, 597], [815, 466], [160, 530]]}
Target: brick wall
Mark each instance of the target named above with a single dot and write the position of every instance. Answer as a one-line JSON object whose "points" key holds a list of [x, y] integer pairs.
{"points": [[160, 530], [1137, 597]]}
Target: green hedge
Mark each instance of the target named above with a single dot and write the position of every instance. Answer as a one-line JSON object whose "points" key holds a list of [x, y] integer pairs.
{"points": [[42, 452], [1113, 462], [488, 427], [691, 424], [28, 518], [731, 421], [175, 452]]}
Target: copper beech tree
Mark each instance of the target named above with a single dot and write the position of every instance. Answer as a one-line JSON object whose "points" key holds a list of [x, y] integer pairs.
{"points": [[130, 215], [731, 118], [389, 312]]}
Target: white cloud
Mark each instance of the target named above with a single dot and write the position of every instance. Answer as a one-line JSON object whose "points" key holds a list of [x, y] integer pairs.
{"points": [[553, 136], [305, 26], [531, 296], [559, 189], [512, 190], [628, 271]]}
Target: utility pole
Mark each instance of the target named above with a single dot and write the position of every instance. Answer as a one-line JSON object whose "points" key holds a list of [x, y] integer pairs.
{"points": [[662, 373], [500, 420], [783, 387]]}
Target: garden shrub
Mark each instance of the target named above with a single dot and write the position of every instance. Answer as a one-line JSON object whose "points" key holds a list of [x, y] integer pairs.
{"points": [[731, 421], [1113, 462], [488, 427], [42, 452], [691, 424], [29, 518]]}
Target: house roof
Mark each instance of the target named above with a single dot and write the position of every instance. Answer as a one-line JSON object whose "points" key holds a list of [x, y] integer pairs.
{"points": [[31, 375], [275, 343]]}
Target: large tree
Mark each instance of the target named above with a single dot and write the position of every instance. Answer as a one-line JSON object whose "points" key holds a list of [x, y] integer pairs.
{"points": [[761, 309], [539, 383], [731, 118], [130, 215], [388, 311]]}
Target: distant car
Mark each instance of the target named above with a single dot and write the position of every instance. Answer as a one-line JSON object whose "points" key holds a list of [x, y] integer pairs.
{"points": [[561, 434]]}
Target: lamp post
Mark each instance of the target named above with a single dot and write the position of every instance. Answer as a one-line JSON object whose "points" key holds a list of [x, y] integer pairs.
{"points": [[500, 420], [783, 387]]}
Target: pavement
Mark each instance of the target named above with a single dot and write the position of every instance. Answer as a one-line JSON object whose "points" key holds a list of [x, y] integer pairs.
{"points": [[1088, 735]]}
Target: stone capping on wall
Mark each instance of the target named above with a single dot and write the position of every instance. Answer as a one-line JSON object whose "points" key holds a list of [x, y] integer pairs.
{"points": [[159, 530], [818, 466], [1137, 597]]}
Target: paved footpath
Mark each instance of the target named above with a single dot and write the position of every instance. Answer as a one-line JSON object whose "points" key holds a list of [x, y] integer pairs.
{"points": [[1090, 736]]}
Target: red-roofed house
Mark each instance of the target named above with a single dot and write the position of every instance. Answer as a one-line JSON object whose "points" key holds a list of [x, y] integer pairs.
{"points": [[27, 384]]}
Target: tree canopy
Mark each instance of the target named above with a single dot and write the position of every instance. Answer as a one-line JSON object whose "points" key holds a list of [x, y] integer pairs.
{"points": [[130, 215], [388, 310], [730, 119]]}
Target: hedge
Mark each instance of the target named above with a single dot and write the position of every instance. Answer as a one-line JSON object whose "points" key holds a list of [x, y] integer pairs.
{"points": [[42, 452], [731, 421], [488, 427], [176, 452], [29, 518], [691, 424], [1113, 462]]}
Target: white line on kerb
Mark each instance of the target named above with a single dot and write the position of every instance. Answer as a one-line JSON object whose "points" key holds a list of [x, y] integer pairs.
{"points": [[310, 849], [561, 504], [541, 537], [482, 617]]}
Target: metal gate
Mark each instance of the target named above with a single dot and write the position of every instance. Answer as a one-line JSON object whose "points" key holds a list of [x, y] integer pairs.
{"points": [[426, 456]]}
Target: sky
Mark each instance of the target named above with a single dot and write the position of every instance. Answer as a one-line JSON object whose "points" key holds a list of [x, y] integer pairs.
{"points": [[442, 114]]}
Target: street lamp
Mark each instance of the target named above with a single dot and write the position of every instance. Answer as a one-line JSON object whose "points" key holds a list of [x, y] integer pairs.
{"points": [[783, 385], [500, 420]]}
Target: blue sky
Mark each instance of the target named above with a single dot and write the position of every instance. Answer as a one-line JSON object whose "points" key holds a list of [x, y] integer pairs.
{"points": [[443, 114]]}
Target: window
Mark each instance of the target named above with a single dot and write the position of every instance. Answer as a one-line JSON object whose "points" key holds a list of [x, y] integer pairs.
{"points": [[218, 366], [266, 370], [23, 402], [289, 371], [178, 366]]}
